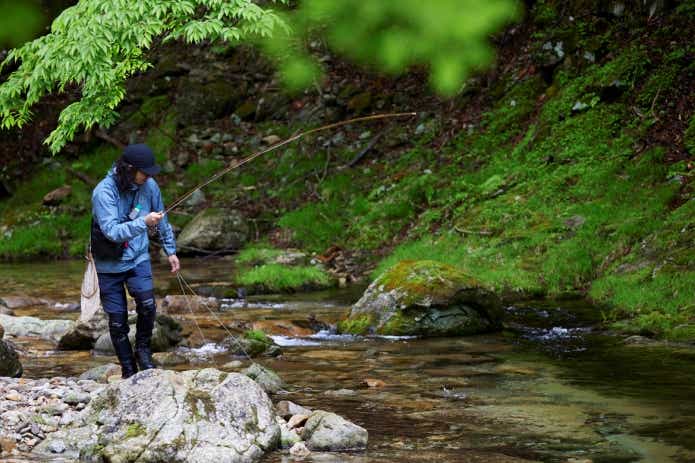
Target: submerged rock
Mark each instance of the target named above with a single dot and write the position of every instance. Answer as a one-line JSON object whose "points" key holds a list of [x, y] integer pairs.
{"points": [[252, 343], [101, 373], [213, 229], [176, 304], [161, 415], [265, 377], [424, 298], [9, 360], [328, 431], [51, 330]]}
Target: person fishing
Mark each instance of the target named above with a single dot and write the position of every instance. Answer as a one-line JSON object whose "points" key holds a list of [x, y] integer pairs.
{"points": [[124, 204]]}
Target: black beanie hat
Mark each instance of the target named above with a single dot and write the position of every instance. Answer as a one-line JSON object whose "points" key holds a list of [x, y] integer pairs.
{"points": [[141, 157]]}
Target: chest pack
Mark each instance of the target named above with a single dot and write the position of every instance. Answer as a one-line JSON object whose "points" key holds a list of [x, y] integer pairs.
{"points": [[103, 248]]}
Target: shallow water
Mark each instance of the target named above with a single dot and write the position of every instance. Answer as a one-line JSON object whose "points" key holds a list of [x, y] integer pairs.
{"points": [[548, 389]]}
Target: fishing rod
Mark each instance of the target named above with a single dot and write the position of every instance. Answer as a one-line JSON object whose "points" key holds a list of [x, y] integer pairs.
{"points": [[277, 145]]}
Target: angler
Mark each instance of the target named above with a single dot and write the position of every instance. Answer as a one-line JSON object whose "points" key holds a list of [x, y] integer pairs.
{"points": [[124, 204]]}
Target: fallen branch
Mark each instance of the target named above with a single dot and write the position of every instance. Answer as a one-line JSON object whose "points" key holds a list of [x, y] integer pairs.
{"points": [[82, 176]]}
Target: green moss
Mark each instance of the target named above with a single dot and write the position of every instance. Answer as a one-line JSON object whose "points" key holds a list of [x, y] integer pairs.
{"points": [[150, 110], [280, 278], [358, 325], [425, 279], [399, 324], [200, 402], [257, 254], [258, 335], [135, 430]]}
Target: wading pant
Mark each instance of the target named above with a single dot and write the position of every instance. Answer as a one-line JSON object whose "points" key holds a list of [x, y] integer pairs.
{"points": [[112, 286]]}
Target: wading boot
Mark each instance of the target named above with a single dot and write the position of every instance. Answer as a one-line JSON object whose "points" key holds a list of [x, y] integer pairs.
{"points": [[147, 312], [118, 330]]}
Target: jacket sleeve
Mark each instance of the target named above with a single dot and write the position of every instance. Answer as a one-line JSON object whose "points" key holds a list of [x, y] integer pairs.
{"points": [[105, 211], [166, 234]]}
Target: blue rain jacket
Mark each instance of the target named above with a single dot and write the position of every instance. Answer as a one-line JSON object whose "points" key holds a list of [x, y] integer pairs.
{"points": [[111, 208]]}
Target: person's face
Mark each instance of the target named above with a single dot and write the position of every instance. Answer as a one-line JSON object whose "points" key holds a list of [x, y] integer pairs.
{"points": [[140, 177]]}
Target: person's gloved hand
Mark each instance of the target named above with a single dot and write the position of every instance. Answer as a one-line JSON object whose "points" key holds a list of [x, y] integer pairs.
{"points": [[174, 262], [153, 218]]}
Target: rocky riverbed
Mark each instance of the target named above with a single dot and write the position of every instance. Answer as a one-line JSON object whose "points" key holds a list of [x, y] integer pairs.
{"points": [[548, 388]]}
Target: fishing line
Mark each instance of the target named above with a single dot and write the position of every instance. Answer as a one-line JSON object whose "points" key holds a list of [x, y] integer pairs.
{"points": [[185, 286], [214, 315], [253, 156]]}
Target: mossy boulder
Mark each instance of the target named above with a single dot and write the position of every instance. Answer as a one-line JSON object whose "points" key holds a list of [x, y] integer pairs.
{"points": [[253, 343], [424, 298]]}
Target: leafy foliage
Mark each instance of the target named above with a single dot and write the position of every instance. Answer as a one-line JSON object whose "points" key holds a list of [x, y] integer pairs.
{"points": [[448, 36], [97, 44]]}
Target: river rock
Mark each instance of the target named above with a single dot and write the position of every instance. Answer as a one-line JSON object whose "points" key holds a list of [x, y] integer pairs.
{"points": [[101, 373], [252, 346], [424, 298], [328, 431], [84, 334], [213, 229], [177, 304], [162, 415], [166, 334], [51, 330], [9, 360], [55, 197], [286, 409], [300, 450], [18, 302], [265, 377]]}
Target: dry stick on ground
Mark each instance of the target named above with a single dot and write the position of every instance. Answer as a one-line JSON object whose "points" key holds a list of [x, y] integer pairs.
{"points": [[82, 176]]}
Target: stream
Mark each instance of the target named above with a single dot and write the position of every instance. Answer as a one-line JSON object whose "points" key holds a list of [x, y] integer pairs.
{"points": [[550, 388]]}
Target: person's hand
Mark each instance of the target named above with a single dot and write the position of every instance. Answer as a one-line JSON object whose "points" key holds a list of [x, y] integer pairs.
{"points": [[174, 262], [153, 218]]}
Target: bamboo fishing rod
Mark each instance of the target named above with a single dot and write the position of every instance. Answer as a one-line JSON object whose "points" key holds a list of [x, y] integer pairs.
{"points": [[235, 164]]}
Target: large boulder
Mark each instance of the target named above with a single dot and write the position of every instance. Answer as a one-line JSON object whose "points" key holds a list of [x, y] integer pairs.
{"points": [[328, 431], [166, 334], [85, 332], [424, 298], [51, 330], [213, 229], [9, 361], [162, 415]]}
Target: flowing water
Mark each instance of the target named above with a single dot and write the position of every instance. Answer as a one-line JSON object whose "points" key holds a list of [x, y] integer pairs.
{"points": [[551, 388]]}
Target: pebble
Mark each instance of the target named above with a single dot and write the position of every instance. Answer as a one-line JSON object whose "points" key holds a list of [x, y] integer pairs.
{"points": [[297, 420], [57, 446], [32, 408], [300, 450]]}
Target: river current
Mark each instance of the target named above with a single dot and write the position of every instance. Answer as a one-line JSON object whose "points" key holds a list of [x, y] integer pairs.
{"points": [[551, 387]]}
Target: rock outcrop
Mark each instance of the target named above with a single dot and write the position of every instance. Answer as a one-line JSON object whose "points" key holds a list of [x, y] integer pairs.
{"points": [[159, 415]]}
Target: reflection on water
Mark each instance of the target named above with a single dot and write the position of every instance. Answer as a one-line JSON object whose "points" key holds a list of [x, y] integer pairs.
{"points": [[551, 388]]}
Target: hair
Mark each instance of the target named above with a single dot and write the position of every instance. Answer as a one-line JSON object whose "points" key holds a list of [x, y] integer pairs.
{"points": [[125, 175]]}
